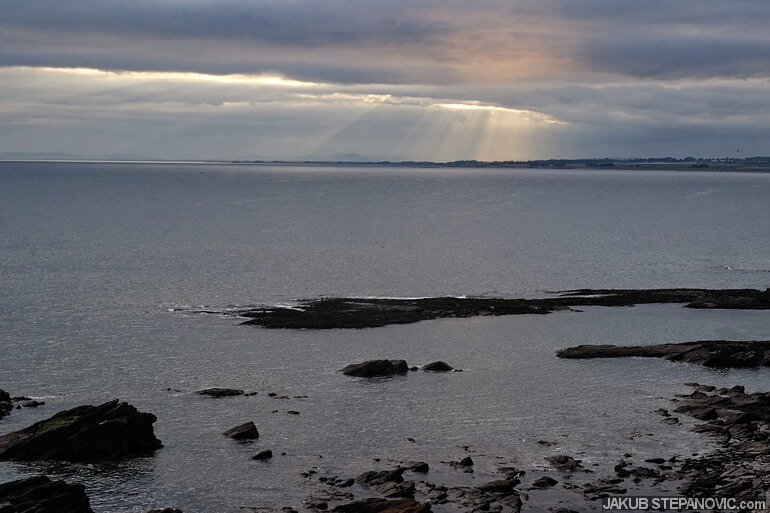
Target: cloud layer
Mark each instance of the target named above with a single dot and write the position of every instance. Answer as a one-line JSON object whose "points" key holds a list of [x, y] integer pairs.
{"points": [[556, 79]]}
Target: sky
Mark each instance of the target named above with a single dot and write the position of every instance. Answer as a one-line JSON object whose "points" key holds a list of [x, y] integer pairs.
{"points": [[437, 80]]}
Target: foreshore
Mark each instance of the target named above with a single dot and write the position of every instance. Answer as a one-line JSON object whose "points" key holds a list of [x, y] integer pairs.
{"points": [[736, 423]]}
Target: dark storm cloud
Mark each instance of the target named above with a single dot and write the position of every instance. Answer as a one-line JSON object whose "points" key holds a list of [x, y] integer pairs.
{"points": [[428, 41], [291, 23]]}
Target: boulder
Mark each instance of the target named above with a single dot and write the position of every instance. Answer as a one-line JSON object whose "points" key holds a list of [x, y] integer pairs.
{"points": [[544, 482], [5, 403], [383, 506], [110, 431], [220, 392], [564, 463], [263, 455], [41, 495], [419, 466], [247, 431], [438, 367], [376, 368]]}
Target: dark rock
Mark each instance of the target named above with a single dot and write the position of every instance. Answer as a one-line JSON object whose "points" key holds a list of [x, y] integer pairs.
{"points": [[347, 313], [564, 463], [421, 467], [499, 486], [41, 495], [710, 353], [247, 431], [376, 368], [465, 462], [400, 366], [5, 403], [544, 482], [263, 455], [392, 490], [385, 476], [110, 431], [603, 488], [165, 510], [32, 404], [383, 506], [438, 367], [220, 392]]}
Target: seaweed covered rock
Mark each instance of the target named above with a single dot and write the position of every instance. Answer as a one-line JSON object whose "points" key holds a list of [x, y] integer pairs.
{"points": [[110, 431], [41, 495]]}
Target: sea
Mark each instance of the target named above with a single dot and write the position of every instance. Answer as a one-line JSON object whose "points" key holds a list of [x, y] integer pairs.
{"points": [[106, 270]]}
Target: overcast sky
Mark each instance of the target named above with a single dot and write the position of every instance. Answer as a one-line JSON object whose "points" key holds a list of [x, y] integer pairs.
{"points": [[403, 80]]}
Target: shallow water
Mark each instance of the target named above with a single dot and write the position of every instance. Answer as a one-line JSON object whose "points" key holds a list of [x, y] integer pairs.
{"points": [[94, 257]]}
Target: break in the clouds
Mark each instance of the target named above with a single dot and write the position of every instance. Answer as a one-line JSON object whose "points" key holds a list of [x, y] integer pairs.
{"points": [[432, 79]]}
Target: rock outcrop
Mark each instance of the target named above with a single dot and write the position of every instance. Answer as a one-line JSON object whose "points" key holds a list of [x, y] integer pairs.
{"points": [[5, 403], [220, 392], [438, 367], [740, 424], [247, 431], [42, 495], [710, 353], [383, 506], [347, 313], [376, 368], [110, 431]]}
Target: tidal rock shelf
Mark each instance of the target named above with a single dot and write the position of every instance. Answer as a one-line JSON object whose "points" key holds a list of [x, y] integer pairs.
{"points": [[721, 354], [351, 313]]}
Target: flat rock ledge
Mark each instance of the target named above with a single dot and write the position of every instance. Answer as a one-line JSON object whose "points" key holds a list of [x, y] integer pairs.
{"points": [[710, 353], [351, 313], [110, 431], [40, 494]]}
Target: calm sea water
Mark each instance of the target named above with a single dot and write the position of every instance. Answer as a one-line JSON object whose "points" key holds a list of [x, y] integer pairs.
{"points": [[102, 267]]}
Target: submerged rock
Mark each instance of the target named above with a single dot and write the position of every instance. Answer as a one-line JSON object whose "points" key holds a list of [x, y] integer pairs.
{"points": [[41, 495], [376, 368], [110, 431], [247, 431]]}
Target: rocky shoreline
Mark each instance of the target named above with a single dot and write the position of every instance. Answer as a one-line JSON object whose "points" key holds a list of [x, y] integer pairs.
{"points": [[356, 313], [739, 468]]}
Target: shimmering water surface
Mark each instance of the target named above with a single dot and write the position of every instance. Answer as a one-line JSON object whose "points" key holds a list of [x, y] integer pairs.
{"points": [[102, 266]]}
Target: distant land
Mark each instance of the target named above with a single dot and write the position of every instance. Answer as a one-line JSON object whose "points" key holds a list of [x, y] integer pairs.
{"points": [[757, 164]]}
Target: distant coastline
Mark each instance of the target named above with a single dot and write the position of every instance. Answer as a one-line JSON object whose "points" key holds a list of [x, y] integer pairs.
{"points": [[759, 164]]}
